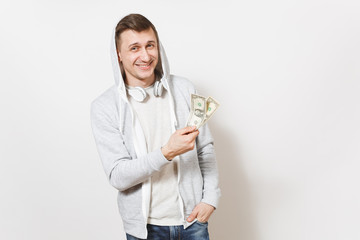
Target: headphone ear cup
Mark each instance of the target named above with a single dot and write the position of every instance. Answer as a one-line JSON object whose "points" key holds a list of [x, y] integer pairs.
{"points": [[138, 93], [158, 89]]}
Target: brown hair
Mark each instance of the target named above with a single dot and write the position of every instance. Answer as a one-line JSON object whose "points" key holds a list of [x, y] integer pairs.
{"points": [[138, 23]]}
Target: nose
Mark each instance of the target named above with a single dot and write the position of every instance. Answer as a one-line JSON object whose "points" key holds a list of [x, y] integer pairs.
{"points": [[144, 55]]}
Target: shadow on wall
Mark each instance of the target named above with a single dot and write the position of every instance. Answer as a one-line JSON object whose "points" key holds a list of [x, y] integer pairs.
{"points": [[234, 218]]}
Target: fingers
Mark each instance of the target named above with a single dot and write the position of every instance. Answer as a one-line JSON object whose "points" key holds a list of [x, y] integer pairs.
{"points": [[203, 215], [202, 218], [202, 212], [193, 215], [187, 130], [190, 139], [190, 132], [193, 135], [183, 140]]}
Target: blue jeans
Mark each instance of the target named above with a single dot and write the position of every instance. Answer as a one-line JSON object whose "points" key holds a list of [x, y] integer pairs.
{"points": [[197, 231]]}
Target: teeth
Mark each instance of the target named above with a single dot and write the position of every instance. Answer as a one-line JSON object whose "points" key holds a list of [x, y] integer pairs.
{"points": [[143, 65]]}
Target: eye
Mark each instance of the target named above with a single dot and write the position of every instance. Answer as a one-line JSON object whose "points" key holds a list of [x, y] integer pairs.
{"points": [[150, 45], [134, 48]]}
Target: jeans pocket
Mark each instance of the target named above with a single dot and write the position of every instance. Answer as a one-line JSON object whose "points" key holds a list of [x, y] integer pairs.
{"points": [[202, 223]]}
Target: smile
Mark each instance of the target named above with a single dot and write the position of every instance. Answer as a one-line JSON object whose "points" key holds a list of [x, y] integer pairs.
{"points": [[144, 66]]}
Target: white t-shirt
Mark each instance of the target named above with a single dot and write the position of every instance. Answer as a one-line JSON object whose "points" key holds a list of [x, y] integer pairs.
{"points": [[154, 116]]}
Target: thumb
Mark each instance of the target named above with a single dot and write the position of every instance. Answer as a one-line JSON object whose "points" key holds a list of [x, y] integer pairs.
{"points": [[192, 215], [187, 130], [194, 134]]}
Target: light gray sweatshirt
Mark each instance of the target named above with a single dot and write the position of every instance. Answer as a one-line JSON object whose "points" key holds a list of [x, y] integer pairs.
{"points": [[128, 166]]}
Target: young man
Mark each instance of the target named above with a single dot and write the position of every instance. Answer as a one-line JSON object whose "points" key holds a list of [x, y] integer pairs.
{"points": [[166, 173]]}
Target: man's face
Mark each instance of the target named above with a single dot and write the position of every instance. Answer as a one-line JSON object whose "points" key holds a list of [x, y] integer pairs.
{"points": [[139, 55]]}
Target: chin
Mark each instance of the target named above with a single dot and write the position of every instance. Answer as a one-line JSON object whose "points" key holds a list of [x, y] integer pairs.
{"points": [[146, 75]]}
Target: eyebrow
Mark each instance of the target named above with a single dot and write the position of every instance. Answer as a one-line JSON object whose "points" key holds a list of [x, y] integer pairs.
{"points": [[136, 43]]}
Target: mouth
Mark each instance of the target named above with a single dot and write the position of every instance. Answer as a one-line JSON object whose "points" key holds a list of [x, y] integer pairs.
{"points": [[144, 66]]}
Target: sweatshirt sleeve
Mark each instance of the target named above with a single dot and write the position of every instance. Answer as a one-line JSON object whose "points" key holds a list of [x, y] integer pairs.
{"points": [[121, 169], [208, 166]]}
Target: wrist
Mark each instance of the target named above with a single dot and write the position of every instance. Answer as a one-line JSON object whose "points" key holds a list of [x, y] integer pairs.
{"points": [[167, 153]]}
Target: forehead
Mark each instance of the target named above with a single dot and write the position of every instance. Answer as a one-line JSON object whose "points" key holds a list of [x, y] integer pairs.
{"points": [[129, 37]]}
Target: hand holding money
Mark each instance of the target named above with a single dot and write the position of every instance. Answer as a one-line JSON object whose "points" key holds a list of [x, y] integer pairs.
{"points": [[181, 141], [201, 110]]}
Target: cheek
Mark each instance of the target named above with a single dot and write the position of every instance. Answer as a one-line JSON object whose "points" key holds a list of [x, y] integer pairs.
{"points": [[155, 54], [130, 59]]}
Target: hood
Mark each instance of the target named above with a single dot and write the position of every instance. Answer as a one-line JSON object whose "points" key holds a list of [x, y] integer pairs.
{"points": [[119, 81]]}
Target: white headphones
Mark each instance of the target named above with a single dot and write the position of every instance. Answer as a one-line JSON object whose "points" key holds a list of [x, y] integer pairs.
{"points": [[139, 93]]}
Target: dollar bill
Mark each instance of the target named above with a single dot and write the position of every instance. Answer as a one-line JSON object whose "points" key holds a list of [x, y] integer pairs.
{"points": [[211, 106], [197, 112]]}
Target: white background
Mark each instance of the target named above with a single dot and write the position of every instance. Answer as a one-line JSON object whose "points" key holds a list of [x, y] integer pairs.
{"points": [[287, 133]]}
